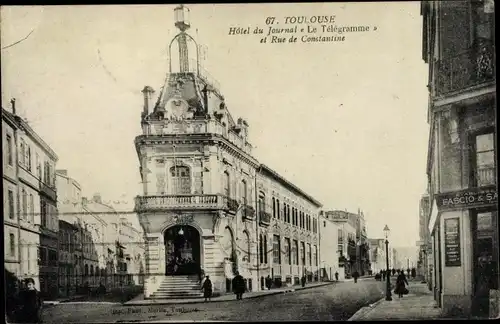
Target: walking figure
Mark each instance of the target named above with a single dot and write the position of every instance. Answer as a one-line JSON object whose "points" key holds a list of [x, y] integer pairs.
{"points": [[303, 281], [336, 276], [269, 282], [238, 286], [400, 284], [207, 288], [30, 303], [355, 275]]}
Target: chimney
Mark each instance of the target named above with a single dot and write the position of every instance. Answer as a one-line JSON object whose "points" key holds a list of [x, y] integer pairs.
{"points": [[13, 105], [148, 98], [97, 198]]}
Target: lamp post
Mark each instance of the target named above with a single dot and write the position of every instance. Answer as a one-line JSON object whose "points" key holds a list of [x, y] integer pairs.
{"points": [[388, 287]]}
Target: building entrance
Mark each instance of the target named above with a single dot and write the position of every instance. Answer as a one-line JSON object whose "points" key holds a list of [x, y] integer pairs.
{"points": [[485, 260], [182, 251]]}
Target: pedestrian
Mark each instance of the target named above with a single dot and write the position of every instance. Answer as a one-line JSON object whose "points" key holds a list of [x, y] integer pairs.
{"points": [[207, 288], [30, 303], [238, 286], [355, 275], [393, 271], [303, 280], [269, 282], [413, 273], [408, 272], [400, 284], [336, 276]]}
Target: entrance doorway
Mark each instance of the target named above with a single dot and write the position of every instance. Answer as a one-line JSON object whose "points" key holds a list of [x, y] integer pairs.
{"points": [[485, 259], [182, 251]]}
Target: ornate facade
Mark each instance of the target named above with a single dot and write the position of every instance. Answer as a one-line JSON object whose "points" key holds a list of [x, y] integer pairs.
{"points": [[201, 185]]}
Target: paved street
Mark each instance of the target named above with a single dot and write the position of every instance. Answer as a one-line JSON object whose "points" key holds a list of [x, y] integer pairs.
{"points": [[333, 302]]}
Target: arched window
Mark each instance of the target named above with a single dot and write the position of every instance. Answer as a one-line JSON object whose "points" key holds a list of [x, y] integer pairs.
{"points": [[226, 181], [278, 212], [262, 202], [91, 270], [181, 180], [244, 192], [247, 242], [86, 270]]}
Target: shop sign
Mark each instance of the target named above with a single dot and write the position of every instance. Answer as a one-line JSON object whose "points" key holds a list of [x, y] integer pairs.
{"points": [[468, 198], [452, 242], [337, 215]]}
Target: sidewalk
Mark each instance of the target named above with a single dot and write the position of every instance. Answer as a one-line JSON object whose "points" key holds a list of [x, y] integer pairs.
{"points": [[140, 301], [419, 304]]}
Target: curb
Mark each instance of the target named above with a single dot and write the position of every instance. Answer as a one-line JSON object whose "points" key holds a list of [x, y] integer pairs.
{"points": [[365, 310], [201, 301]]}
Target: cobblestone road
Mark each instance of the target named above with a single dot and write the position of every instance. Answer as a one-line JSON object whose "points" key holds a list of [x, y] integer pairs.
{"points": [[333, 302]]}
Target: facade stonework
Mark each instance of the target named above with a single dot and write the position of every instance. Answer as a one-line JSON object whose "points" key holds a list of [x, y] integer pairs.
{"points": [[206, 203], [459, 47]]}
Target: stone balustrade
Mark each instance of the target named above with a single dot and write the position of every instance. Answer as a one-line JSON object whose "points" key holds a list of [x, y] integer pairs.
{"points": [[166, 202]]}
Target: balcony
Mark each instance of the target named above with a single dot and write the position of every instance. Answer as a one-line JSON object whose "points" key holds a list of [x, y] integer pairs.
{"points": [[264, 218], [486, 176], [467, 69], [179, 202], [248, 212]]}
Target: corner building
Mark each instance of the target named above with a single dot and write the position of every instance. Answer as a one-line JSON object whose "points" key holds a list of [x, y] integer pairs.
{"points": [[207, 204], [459, 47]]}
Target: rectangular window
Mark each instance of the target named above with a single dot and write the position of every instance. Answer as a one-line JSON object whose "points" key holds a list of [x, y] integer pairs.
{"points": [[276, 250], [11, 204], [12, 244], [309, 253], [43, 212], [28, 157], [315, 255], [227, 184], [24, 198], [32, 209], [340, 236], [295, 252], [38, 167], [22, 155], [244, 193], [303, 253], [485, 159], [274, 207], [278, 208], [10, 157], [288, 253]]}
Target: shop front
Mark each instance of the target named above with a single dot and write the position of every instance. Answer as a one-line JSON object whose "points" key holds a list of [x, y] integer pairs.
{"points": [[464, 227]]}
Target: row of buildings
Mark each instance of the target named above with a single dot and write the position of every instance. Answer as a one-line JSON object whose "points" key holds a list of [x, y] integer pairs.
{"points": [[209, 204], [459, 214], [51, 233]]}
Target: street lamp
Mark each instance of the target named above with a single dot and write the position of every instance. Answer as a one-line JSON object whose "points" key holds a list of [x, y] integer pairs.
{"points": [[388, 287]]}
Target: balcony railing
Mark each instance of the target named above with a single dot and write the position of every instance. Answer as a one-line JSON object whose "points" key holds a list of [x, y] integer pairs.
{"points": [[166, 202], [467, 69], [486, 176], [248, 212], [264, 218]]}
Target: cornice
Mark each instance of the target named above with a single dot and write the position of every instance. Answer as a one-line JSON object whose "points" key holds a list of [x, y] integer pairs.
{"points": [[192, 138]]}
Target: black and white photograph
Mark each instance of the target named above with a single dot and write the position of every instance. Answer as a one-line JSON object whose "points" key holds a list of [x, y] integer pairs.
{"points": [[255, 162]]}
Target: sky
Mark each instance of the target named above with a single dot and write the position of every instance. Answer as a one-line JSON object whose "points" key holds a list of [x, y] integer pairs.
{"points": [[344, 121]]}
